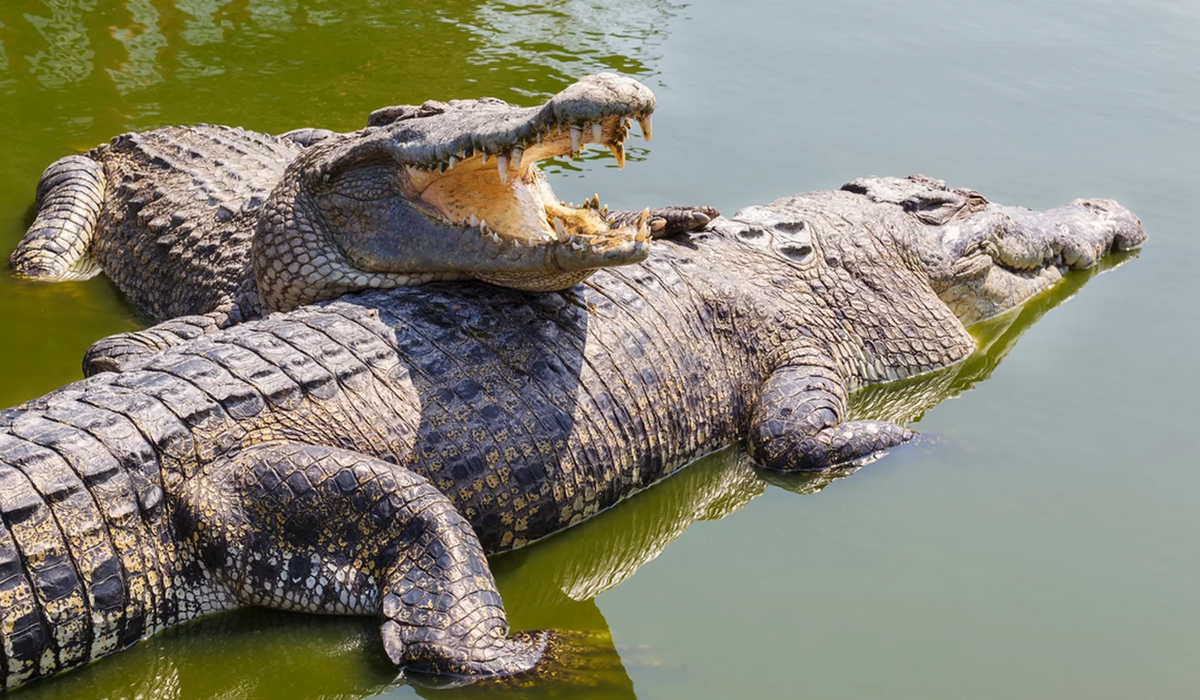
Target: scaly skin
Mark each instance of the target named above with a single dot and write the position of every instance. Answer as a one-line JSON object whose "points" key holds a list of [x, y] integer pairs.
{"points": [[233, 223], [362, 456]]}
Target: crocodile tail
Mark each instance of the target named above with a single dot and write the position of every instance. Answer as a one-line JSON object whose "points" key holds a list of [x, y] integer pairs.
{"points": [[57, 247], [80, 573]]}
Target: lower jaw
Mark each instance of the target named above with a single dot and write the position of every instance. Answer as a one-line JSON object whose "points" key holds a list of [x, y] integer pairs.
{"points": [[536, 281], [999, 291]]}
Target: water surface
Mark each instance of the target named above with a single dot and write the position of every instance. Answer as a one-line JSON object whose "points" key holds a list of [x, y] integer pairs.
{"points": [[1041, 542]]}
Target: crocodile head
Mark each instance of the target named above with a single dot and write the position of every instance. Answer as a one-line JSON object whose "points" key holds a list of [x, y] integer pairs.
{"points": [[888, 272], [984, 259], [449, 191]]}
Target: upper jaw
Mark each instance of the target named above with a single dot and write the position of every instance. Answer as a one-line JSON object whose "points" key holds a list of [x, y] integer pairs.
{"points": [[474, 164], [464, 129]]}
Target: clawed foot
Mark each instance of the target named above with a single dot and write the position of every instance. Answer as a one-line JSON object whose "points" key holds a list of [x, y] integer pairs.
{"points": [[438, 661], [668, 221], [671, 221]]}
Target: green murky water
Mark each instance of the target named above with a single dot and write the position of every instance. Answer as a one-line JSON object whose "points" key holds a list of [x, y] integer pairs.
{"points": [[1042, 542]]}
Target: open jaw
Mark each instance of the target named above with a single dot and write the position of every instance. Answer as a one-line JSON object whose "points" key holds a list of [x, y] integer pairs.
{"points": [[484, 181], [509, 200]]}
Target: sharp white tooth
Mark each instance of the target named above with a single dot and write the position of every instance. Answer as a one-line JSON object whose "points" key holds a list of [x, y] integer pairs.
{"points": [[576, 135], [539, 138], [453, 161], [597, 131], [644, 122], [483, 225], [604, 210], [502, 168], [559, 230], [474, 220], [495, 239], [618, 151], [517, 154], [644, 217], [485, 157]]}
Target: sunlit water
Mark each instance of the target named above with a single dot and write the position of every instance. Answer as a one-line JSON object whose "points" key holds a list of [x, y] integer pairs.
{"points": [[1041, 542]]}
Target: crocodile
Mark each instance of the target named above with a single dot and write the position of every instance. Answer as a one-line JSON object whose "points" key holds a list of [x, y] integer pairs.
{"points": [[234, 223], [365, 455]]}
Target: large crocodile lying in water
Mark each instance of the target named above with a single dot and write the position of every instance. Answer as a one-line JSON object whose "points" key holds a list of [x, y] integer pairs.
{"points": [[232, 223], [363, 456]]}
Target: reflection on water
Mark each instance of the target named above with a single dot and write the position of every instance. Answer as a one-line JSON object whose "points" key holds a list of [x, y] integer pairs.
{"points": [[573, 37], [530, 48], [202, 27], [3, 57], [273, 15], [67, 56], [549, 585], [142, 41]]}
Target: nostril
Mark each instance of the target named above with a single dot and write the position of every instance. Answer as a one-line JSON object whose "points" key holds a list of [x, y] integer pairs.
{"points": [[1106, 206]]}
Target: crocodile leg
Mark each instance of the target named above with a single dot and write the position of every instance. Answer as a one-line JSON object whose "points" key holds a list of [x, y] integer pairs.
{"points": [[796, 423], [325, 530], [57, 247]]}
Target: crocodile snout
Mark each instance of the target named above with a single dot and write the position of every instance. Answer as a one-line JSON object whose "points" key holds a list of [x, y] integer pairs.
{"points": [[1126, 229]]}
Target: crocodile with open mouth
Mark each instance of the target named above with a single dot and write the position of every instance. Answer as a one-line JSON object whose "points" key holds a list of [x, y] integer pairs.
{"points": [[233, 223]]}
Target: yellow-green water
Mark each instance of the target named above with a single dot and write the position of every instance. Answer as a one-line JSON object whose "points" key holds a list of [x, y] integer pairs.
{"points": [[1040, 542]]}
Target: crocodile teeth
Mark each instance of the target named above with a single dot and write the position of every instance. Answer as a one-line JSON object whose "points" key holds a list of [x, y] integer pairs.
{"points": [[560, 231], [644, 122], [517, 154], [495, 239], [618, 151], [484, 157], [502, 168], [453, 161], [644, 217], [604, 211], [597, 131], [474, 220], [576, 135]]}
